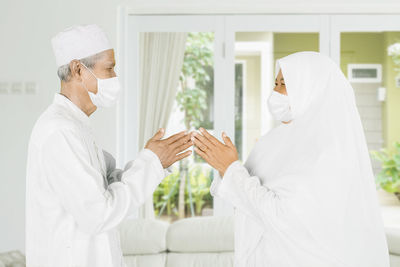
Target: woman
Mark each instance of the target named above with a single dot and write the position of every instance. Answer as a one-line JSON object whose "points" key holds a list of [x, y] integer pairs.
{"points": [[305, 196]]}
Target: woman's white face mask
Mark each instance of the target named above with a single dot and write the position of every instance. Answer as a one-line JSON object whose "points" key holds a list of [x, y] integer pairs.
{"points": [[279, 106], [107, 91]]}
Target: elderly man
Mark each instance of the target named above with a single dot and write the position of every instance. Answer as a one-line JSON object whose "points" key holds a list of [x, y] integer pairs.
{"points": [[72, 209]]}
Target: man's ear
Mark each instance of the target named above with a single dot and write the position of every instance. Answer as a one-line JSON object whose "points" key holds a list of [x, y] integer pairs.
{"points": [[76, 69]]}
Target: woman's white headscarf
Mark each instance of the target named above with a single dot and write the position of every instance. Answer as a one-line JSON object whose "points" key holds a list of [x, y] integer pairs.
{"points": [[319, 167]]}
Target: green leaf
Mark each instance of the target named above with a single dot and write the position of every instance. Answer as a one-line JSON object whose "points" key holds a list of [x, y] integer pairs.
{"points": [[389, 177]]}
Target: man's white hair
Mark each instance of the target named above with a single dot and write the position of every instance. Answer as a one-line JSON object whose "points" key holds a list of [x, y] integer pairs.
{"points": [[64, 72]]}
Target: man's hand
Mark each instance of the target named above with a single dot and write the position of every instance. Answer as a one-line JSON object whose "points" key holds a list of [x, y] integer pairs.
{"points": [[217, 154], [168, 149]]}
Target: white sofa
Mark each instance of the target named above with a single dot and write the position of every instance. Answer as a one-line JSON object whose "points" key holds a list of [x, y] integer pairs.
{"points": [[393, 239], [199, 241], [195, 242]]}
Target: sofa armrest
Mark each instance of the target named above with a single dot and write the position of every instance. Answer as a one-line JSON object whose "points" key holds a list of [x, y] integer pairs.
{"points": [[393, 240]]}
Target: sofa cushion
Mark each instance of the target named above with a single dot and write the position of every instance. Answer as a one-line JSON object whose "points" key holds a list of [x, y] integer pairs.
{"points": [[201, 234], [394, 260], [150, 260], [221, 259], [143, 236], [393, 240]]}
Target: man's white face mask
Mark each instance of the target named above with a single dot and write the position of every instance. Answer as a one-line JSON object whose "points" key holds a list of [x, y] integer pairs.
{"points": [[279, 107], [107, 91]]}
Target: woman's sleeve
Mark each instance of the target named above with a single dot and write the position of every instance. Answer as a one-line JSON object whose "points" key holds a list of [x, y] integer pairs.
{"points": [[246, 193]]}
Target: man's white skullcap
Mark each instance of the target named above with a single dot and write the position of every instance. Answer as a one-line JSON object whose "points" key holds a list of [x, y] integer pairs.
{"points": [[78, 42]]}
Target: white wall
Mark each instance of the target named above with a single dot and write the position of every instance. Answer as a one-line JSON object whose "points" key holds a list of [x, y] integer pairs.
{"points": [[25, 53]]}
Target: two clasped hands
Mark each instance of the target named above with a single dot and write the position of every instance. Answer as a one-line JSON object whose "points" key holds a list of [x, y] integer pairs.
{"points": [[219, 155]]}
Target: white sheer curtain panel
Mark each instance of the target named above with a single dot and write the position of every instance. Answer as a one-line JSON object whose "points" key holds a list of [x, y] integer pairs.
{"points": [[161, 59]]}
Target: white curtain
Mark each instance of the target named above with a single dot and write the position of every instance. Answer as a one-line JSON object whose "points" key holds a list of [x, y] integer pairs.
{"points": [[161, 59]]}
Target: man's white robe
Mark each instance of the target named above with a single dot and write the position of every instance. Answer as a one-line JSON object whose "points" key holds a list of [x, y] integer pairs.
{"points": [[72, 209]]}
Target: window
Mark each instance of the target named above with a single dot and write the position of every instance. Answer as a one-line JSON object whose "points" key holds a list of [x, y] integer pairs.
{"points": [[186, 192]]}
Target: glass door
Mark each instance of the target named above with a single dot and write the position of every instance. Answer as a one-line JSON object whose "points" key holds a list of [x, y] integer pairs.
{"points": [[253, 44], [234, 81], [367, 48], [184, 193], [255, 57]]}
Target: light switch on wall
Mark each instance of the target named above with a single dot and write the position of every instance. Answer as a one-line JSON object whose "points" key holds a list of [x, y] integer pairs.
{"points": [[17, 88], [4, 88], [30, 88]]}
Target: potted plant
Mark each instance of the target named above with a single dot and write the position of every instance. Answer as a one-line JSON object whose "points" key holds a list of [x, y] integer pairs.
{"points": [[389, 177], [200, 185]]}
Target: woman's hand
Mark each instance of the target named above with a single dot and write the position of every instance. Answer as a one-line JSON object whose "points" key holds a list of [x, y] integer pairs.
{"points": [[217, 154]]}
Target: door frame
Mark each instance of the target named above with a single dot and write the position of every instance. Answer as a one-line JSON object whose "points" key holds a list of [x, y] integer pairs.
{"points": [[264, 50], [244, 88]]}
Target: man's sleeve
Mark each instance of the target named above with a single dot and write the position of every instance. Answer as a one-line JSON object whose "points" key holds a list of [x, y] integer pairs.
{"points": [[114, 174], [79, 186]]}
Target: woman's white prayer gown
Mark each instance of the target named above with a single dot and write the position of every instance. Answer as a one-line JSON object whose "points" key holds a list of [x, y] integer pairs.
{"points": [[306, 195], [71, 209]]}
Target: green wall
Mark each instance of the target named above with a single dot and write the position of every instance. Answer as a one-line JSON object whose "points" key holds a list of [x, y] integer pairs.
{"points": [[372, 48], [362, 48], [289, 43]]}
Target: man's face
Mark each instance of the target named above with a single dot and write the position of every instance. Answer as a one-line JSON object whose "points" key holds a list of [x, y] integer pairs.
{"points": [[103, 69]]}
